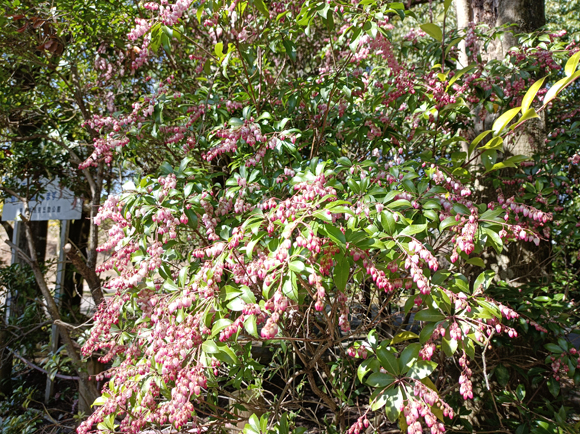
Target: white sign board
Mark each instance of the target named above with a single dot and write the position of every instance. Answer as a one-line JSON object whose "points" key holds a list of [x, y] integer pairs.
{"points": [[56, 203]]}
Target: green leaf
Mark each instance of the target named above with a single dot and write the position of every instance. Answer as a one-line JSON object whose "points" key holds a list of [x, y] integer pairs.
{"points": [[388, 222], [452, 44], [101, 400], [378, 379], [512, 161], [191, 218], [341, 273], [484, 279], [459, 208], [413, 229], [571, 64], [388, 361], [297, 266], [323, 215], [555, 89], [289, 288], [380, 401], [335, 235], [251, 326], [449, 221], [236, 305], [446, 5], [531, 94], [408, 356], [219, 50], [433, 30], [553, 348], [493, 239], [404, 335], [502, 374], [476, 261], [430, 315], [394, 403], [502, 122], [421, 369], [477, 140], [219, 325], [290, 49], [400, 203], [262, 7], [521, 390], [363, 369], [495, 143], [449, 346], [554, 387], [530, 114], [459, 73], [209, 347]]}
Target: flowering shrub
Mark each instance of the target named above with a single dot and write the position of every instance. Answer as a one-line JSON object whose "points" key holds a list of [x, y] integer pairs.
{"points": [[317, 201]]}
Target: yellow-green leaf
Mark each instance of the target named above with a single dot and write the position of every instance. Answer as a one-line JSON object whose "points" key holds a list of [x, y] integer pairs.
{"points": [[433, 30], [477, 140], [530, 114], [404, 336], [531, 94], [504, 120], [262, 7], [219, 49], [458, 75], [553, 91], [571, 64]]}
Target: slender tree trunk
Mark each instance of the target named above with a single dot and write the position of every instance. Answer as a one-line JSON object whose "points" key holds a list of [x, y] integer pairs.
{"points": [[524, 262], [73, 281]]}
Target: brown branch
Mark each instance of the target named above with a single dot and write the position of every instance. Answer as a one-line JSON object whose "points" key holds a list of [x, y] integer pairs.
{"points": [[38, 368], [87, 272], [9, 229]]}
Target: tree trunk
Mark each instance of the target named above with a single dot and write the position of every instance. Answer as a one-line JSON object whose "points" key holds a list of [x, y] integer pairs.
{"points": [[73, 280], [525, 16], [523, 262]]}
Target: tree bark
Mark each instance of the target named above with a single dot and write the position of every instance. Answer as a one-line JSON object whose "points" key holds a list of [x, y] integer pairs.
{"points": [[523, 262], [524, 16], [88, 273]]}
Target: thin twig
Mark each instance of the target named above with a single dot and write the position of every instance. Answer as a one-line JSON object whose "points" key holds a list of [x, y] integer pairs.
{"points": [[38, 368]]}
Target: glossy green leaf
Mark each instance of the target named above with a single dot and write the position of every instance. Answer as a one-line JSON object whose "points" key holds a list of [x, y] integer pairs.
{"points": [[421, 369], [341, 273], [388, 361], [251, 326], [404, 335], [503, 121], [433, 30], [531, 94], [378, 379], [571, 64], [430, 315]]}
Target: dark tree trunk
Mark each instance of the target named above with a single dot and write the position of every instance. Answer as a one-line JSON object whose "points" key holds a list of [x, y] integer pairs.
{"points": [[73, 280]]}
